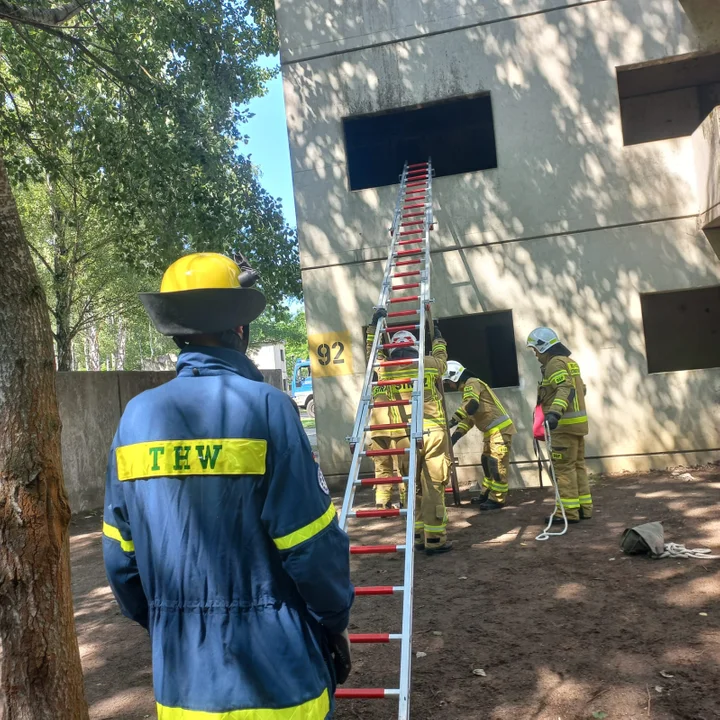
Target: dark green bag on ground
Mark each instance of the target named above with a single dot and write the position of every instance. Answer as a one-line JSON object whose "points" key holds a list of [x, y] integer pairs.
{"points": [[647, 539]]}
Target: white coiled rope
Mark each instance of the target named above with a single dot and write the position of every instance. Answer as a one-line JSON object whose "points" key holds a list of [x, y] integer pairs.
{"points": [[546, 534], [675, 550]]}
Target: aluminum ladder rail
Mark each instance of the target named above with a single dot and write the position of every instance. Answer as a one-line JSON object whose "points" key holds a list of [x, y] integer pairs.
{"points": [[409, 262]]}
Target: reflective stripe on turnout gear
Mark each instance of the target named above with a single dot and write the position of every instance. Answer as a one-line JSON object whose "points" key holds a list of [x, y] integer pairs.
{"points": [[316, 709]]}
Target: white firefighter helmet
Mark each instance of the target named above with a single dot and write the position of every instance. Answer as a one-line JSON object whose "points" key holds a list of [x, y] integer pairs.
{"points": [[405, 336], [542, 339], [454, 371]]}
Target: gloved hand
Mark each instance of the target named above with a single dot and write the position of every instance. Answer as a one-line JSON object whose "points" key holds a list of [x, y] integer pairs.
{"points": [[340, 650], [379, 313], [436, 330], [453, 422], [455, 437], [552, 419]]}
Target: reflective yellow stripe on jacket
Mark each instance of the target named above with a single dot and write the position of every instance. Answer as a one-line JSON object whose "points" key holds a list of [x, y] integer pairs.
{"points": [[305, 533], [316, 709], [113, 533]]}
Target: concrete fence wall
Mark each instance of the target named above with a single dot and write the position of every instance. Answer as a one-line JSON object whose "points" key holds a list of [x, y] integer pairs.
{"points": [[91, 404]]}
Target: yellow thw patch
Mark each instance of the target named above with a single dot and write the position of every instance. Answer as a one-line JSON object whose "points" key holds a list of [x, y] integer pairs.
{"points": [[225, 456]]}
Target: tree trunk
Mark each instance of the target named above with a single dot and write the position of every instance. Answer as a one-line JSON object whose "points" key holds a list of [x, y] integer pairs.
{"points": [[40, 671], [94, 363], [121, 344], [62, 282]]}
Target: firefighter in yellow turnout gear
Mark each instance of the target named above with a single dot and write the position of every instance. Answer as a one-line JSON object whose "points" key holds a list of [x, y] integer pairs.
{"points": [[561, 394], [481, 408], [384, 439], [431, 521]]}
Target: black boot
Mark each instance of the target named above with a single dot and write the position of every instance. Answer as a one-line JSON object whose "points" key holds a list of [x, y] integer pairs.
{"points": [[490, 505], [419, 542], [481, 498], [583, 516], [433, 547]]}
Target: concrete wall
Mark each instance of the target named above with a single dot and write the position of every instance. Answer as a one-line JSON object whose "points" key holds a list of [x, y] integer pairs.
{"points": [[90, 407], [706, 144], [569, 229], [91, 404]]}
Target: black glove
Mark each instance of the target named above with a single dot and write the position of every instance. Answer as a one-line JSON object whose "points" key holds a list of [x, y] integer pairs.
{"points": [[436, 330], [455, 437], [379, 313], [552, 419], [453, 422], [340, 650]]}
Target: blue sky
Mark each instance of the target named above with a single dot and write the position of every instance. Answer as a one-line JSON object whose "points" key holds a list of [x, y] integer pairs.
{"points": [[268, 144]]}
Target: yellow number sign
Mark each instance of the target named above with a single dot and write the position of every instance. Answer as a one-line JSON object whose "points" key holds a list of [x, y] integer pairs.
{"points": [[330, 354]]}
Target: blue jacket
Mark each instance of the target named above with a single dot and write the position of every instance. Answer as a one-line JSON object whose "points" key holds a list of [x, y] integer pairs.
{"points": [[221, 539]]}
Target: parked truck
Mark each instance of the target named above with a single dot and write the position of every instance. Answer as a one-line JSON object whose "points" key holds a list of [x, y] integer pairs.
{"points": [[301, 389]]}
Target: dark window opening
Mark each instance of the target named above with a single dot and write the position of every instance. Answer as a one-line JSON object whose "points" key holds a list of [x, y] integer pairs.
{"points": [[669, 99], [682, 329], [485, 344], [459, 136]]}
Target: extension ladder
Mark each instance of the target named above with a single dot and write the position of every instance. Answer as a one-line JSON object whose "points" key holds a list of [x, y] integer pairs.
{"points": [[409, 262]]}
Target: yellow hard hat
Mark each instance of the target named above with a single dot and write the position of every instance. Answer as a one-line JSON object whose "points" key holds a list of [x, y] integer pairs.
{"points": [[202, 293]]}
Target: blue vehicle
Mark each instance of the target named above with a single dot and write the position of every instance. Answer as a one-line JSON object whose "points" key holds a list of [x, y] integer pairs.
{"points": [[301, 389]]}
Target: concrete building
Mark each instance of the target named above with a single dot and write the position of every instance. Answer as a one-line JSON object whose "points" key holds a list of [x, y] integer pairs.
{"points": [[271, 356], [577, 151]]}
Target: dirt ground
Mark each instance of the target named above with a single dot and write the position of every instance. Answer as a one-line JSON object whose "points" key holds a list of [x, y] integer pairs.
{"points": [[564, 629]]}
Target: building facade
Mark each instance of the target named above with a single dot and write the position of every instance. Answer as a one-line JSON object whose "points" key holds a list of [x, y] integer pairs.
{"points": [[577, 153]]}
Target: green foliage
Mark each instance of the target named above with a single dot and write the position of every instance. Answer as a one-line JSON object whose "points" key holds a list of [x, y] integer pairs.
{"points": [[131, 113]]}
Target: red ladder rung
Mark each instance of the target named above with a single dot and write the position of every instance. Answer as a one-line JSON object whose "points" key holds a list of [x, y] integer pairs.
{"points": [[406, 286], [376, 513], [409, 273], [365, 693], [412, 224], [392, 345], [359, 638], [402, 313], [416, 165], [391, 363], [408, 262], [403, 299], [385, 453], [401, 253], [399, 381], [412, 242], [409, 215], [375, 549], [384, 481], [378, 590], [404, 233], [412, 207], [395, 328]]}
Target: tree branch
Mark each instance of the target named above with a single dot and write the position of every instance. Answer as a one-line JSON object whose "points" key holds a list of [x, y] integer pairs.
{"points": [[51, 17], [41, 258]]}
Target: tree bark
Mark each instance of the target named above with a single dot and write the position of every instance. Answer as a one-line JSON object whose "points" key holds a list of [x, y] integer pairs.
{"points": [[62, 282], [40, 671], [42, 16], [94, 364], [121, 344]]}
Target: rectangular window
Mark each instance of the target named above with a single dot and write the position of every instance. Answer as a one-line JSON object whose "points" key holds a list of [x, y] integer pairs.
{"points": [[458, 135], [485, 344], [282, 355], [668, 99], [682, 329]]}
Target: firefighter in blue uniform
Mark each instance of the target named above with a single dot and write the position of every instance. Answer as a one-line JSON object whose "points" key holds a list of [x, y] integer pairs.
{"points": [[220, 537]]}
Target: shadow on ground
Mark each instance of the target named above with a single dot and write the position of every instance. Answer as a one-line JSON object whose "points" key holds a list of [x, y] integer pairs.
{"points": [[567, 629]]}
